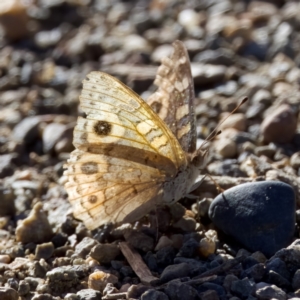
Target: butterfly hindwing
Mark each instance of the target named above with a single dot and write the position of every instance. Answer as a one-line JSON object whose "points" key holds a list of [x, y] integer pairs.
{"points": [[105, 189], [174, 99]]}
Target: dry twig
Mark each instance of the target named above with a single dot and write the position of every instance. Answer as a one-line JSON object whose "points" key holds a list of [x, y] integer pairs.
{"points": [[137, 264]]}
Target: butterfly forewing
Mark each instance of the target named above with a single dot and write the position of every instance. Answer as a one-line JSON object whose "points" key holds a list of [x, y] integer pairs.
{"points": [[118, 116], [124, 155], [174, 99]]}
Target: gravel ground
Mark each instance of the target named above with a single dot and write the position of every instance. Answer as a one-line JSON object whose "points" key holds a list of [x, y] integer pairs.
{"points": [[237, 49]]}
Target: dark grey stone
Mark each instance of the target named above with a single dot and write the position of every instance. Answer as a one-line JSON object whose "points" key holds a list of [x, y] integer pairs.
{"points": [[13, 283], [89, 294], [189, 248], [279, 266], [259, 215], [140, 240], [249, 262], [105, 253], [135, 291], [62, 279], [154, 295], [37, 270], [290, 256], [43, 297], [126, 271], [62, 273], [196, 267], [151, 262], [270, 292], [7, 167], [277, 279], [27, 130], [165, 256], [116, 264], [24, 288], [32, 282], [209, 295], [212, 286], [255, 272], [243, 288], [227, 167], [296, 280], [216, 57], [71, 296], [83, 248], [60, 239], [177, 290], [44, 251], [175, 271]]}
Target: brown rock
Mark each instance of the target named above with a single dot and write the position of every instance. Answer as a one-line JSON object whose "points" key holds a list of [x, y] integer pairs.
{"points": [[44, 251], [7, 203], [185, 224], [163, 242], [8, 294], [207, 247], [11, 13], [5, 259], [236, 121], [35, 228], [105, 253], [99, 279], [280, 125], [226, 147]]}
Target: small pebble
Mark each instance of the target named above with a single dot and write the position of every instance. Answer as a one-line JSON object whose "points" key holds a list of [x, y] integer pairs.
{"points": [[52, 134], [7, 206], [154, 295], [227, 148], [83, 248], [140, 241], [135, 291], [24, 288], [177, 290], [270, 292], [14, 12], [8, 294], [207, 247], [163, 242], [98, 280], [280, 125], [105, 253], [89, 294], [185, 224], [174, 271], [5, 259], [35, 228], [243, 288], [44, 251]]}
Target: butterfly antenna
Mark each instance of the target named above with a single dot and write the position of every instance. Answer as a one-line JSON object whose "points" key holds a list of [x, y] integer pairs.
{"points": [[210, 138], [216, 132], [156, 218], [219, 189]]}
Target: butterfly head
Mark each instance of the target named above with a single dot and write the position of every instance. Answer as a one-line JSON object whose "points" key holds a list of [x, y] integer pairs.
{"points": [[199, 157]]}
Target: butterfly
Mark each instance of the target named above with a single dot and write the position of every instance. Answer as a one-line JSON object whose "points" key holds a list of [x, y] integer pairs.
{"points": [[131, 155]]}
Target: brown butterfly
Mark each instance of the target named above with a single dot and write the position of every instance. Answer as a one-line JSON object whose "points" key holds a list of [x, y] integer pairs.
{"points": [[130, 155]]}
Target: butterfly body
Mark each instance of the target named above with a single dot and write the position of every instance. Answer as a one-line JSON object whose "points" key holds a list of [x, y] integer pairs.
{"points": [[131, 155], [180, 186]]}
